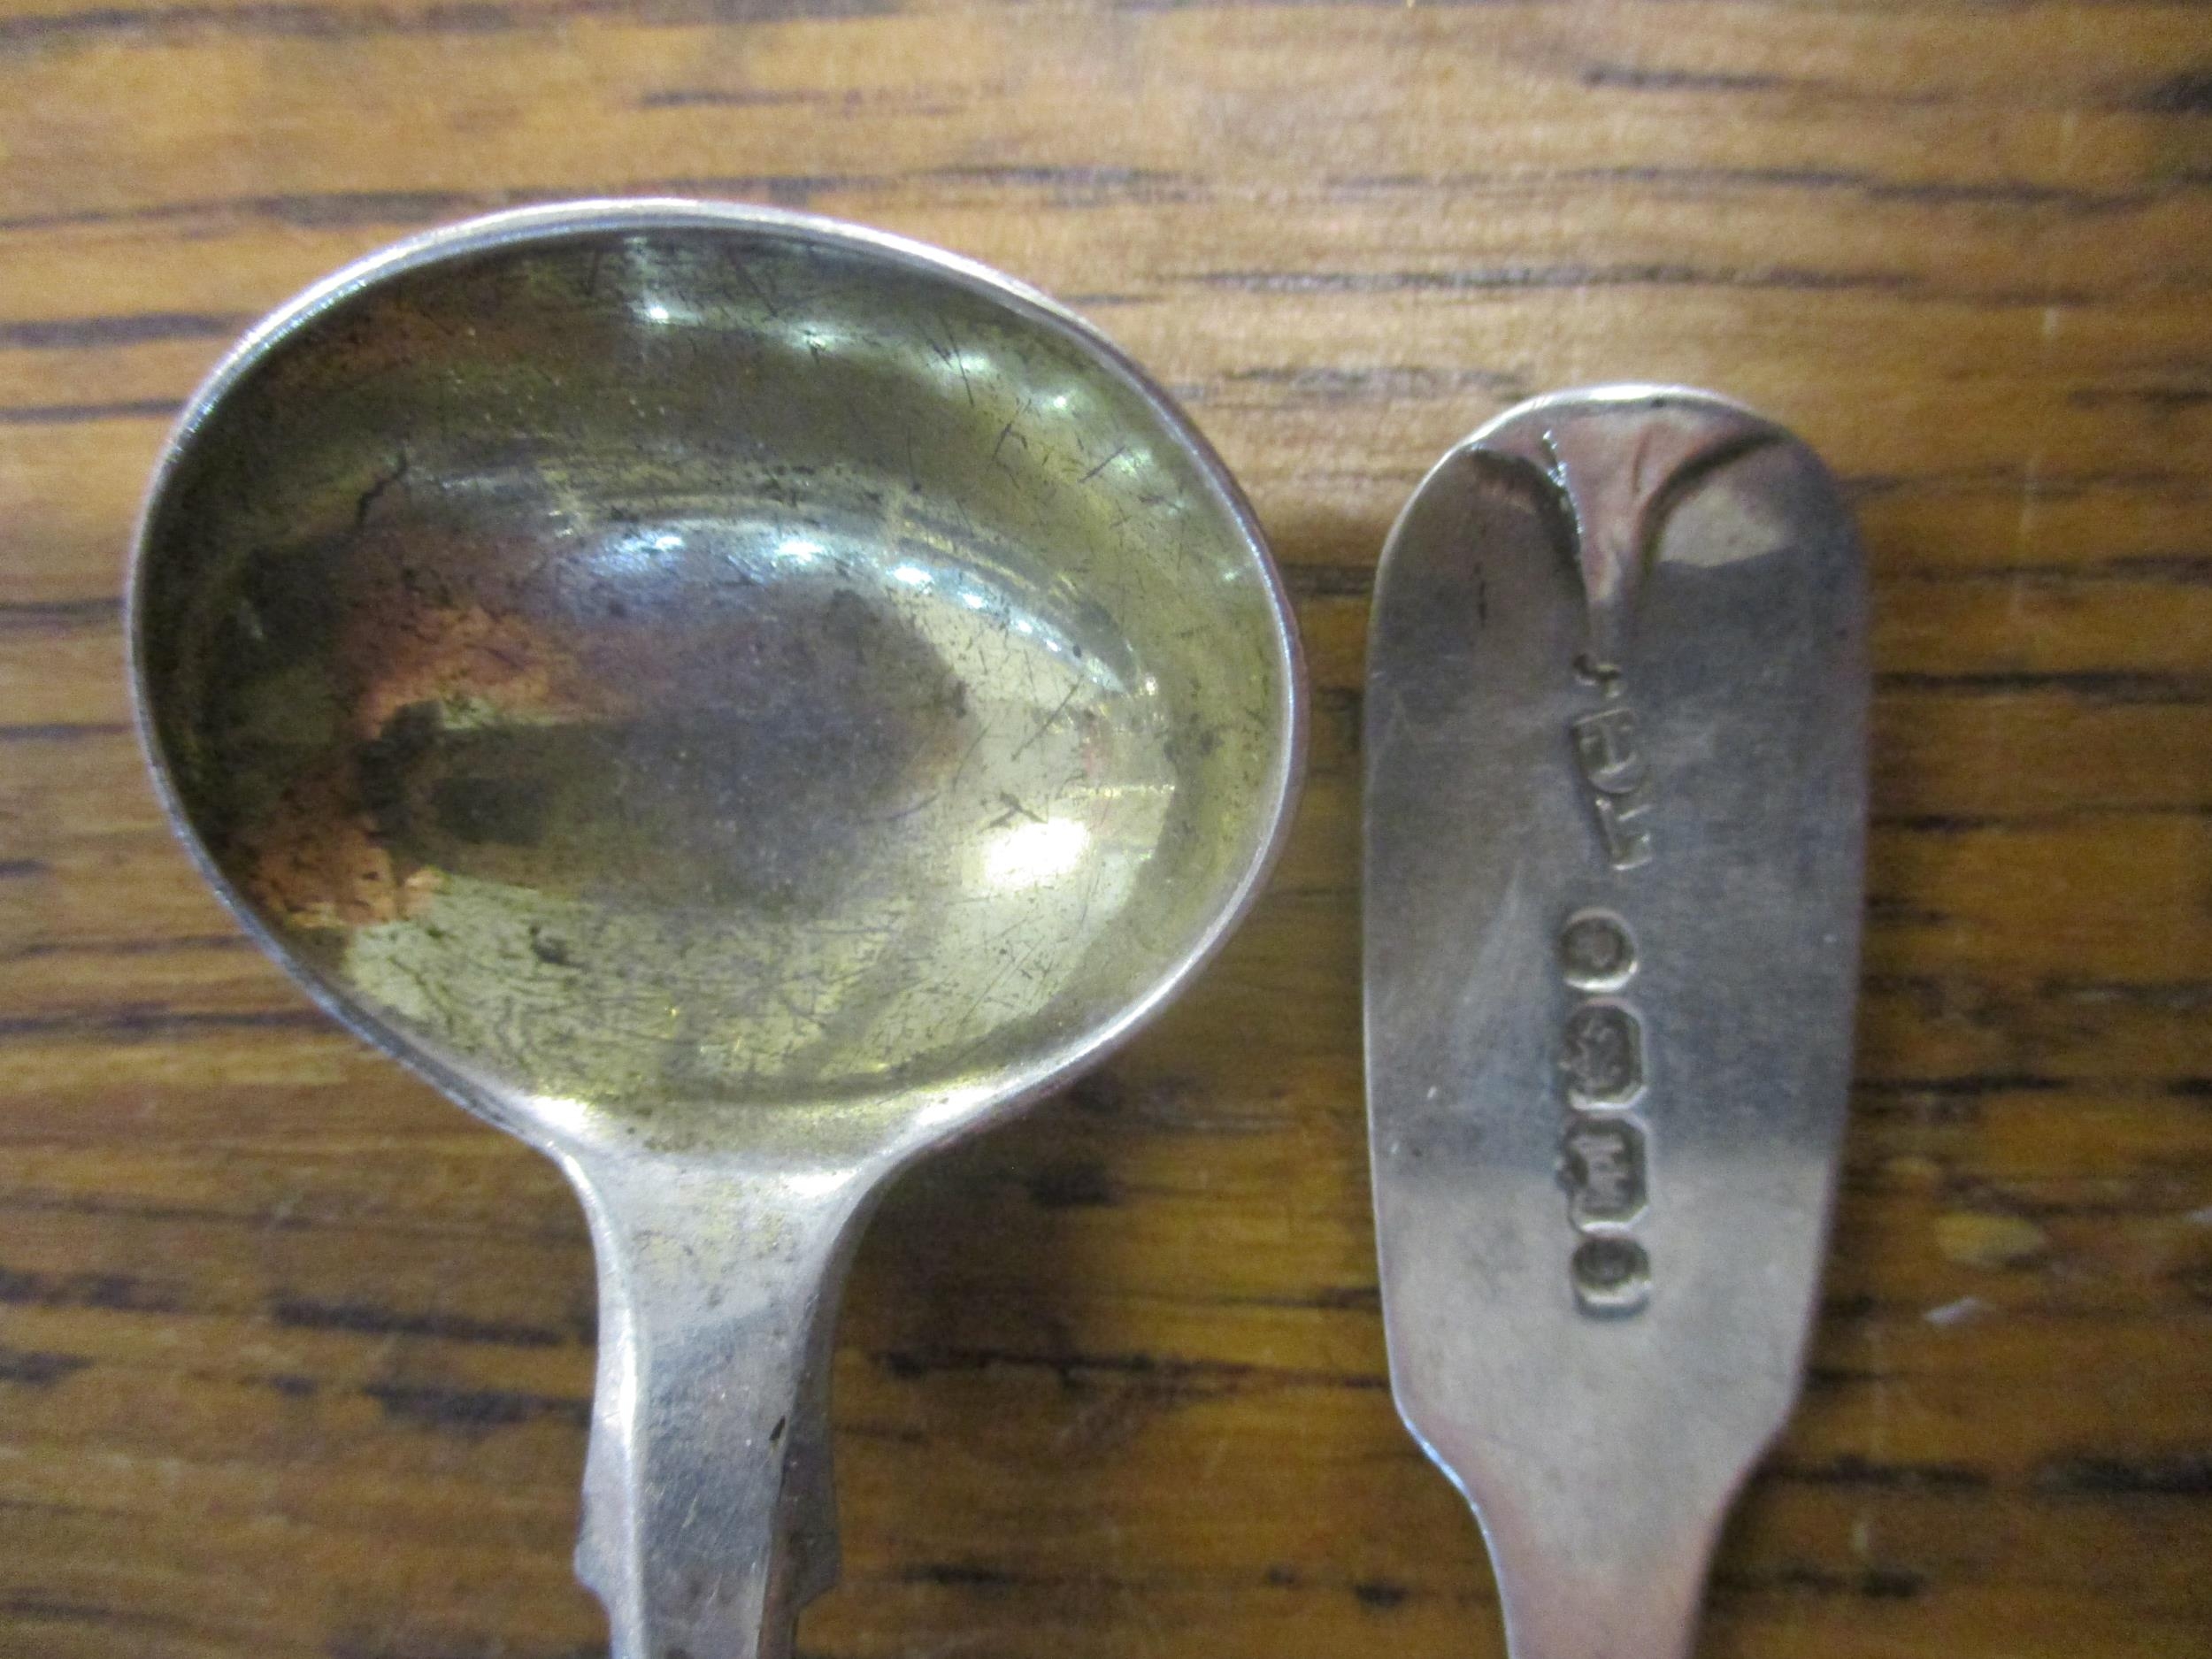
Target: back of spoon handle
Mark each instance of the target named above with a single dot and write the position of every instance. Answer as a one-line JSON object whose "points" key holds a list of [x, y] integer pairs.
{"points": [[1627, 1604], [1616, 756], [708, 1517]]}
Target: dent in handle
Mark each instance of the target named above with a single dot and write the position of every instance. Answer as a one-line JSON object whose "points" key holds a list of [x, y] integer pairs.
{"points": [[1616, 458], [709, 1513]]}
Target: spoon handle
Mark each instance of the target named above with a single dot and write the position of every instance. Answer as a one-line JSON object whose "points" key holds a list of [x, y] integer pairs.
{"points": [[1624, 1599], [1616, 747], [708, 1513]]}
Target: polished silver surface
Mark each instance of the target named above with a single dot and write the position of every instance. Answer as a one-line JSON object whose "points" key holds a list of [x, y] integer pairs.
{"points": [[1615, 739], [737, 701]]}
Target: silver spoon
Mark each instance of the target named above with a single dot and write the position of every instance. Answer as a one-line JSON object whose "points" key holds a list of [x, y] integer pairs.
{"points": [[736, 701], [1615, 803]]}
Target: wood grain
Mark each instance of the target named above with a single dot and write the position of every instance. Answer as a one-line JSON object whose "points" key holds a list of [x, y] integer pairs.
{"points": [[295, 1358]]}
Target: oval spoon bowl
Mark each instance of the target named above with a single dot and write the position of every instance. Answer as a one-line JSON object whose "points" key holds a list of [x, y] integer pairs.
{"points": [[651, 662]]}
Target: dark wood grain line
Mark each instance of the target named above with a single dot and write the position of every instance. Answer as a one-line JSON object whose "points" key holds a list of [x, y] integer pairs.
{"points": [[2177, 484], [1876, 1096], [2022, 1198], [367, 1318], [751, 98], [112, 1293], [1033, 176], [958, 1574], [129, 1023], [135, 329], [160, 945], [343, 210], [2160, 400], [1639, 78], [1705, 179], [872, 100], [473, 1412], [2168, 569], [1322, 1299], [2188, 92], [1512, 278], [1109, 299], [2164, 995], [2145, 1189], [63, 732], [1974, 1084], [1506, 279], [1321, 581], [966, 1575], [54, 1609], [86, 414], [1820, 1378], [336, 209], [2088, 685], [1376, 1595], [95, 614], [1855, 1470], [153, 23], [2178, 1475], [1938, 993], [398, 1641], [99, 1205], [43, 1506], [1172, 1375], [1166, 1372], [282, 20], [36, 1370], [1873, 1583], [1940, 824]]}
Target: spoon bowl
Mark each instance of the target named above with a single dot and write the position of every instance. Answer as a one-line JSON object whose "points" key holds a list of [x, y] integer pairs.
{"points": [[734, 700]]}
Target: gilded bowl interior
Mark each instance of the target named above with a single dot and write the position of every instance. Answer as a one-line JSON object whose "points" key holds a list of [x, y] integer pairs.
{"points": [[684, 670]]}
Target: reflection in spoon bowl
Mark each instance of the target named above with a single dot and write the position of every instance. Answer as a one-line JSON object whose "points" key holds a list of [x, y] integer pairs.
{"points": [[769, 698]]}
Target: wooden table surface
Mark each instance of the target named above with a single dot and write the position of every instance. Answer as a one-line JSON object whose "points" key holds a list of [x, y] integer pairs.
{"points": [[294, 1357]]}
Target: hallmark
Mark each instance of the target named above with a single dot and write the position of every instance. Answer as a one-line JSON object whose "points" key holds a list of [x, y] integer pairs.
{"points": [[1613, 767], [1602, 1160], [1604, 1153], [1602, 1051], [1612, 1276], [1595, 952]]}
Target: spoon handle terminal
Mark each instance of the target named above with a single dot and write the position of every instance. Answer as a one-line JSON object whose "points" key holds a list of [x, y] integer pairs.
{"points": [[709, 1512], [1615, 741]]}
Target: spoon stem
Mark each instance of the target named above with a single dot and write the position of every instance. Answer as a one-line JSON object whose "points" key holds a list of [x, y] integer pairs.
{"points": [[708, 1513], [1637, 1600]]}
